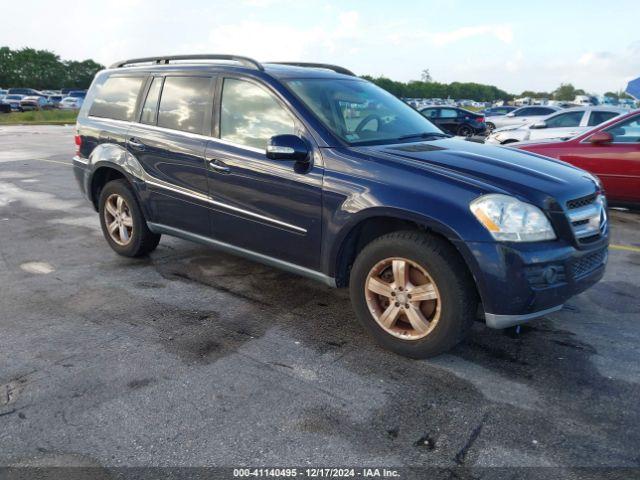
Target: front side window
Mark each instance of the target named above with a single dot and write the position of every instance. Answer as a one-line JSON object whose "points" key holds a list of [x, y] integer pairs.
{"points": [[598, 117], [569, 119], [116, 98], [250, 115], [430, 112], [627, 131], [150, 107], [375, 116], [184, 103]]}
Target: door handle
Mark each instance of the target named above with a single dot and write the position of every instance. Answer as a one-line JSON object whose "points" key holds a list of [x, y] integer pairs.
{"points": [[136, 145], [219, 166]]}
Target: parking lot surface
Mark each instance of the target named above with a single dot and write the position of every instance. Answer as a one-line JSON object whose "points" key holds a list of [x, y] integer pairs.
{"points": [[195, 357]]}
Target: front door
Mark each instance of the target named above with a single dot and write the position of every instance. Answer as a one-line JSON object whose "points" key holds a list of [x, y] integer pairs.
{"points": [[266, 206]]}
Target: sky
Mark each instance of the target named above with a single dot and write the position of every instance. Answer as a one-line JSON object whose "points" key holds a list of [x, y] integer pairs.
{"points": [[514, 45]]}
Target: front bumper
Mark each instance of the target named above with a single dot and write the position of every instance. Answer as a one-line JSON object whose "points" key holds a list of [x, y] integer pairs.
{"points": [[520, 282]]}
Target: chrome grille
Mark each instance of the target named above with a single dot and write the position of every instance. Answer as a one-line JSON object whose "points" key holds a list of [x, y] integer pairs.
{"points": [[582, 201], [588, 218]]}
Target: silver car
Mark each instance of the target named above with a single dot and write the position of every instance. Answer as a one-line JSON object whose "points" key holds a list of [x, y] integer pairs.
{"points": [[521, 116], [564, 124]]}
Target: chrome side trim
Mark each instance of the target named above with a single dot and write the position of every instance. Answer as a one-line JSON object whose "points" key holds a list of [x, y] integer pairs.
{"points": [[243, 252], [154, 182], [503, 321], [121, 157]]}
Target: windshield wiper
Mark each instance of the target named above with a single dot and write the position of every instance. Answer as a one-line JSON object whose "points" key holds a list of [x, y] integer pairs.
{"points": [[425, 135]]}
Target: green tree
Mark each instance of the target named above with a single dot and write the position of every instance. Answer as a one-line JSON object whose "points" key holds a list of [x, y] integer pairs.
{"points": [[42, 69], [426, 76], [567, 92], [422, 89]]}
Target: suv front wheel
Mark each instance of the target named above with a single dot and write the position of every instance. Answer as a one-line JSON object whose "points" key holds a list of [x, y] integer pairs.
{"points": [[123, 223], [412, 291]]}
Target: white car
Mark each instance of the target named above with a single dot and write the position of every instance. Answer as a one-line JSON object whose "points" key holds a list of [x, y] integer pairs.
{"points": [[564, 124], [521, 116], [70, 103]]}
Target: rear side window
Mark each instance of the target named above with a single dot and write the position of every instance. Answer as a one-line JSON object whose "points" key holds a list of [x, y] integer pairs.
{"points": [[184, 103], [597, 117], [116, 98], [448, 113], [150, 108]]}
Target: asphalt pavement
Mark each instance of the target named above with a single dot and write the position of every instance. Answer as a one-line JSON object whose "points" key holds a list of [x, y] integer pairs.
{"points": [[193, 357]]}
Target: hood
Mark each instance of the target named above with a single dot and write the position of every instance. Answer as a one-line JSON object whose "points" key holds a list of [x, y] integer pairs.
{"points": [[493, 169]]}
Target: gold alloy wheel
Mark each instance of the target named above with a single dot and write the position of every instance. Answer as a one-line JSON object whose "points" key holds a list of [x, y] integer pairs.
{"points": [[403, 298], [118, 220]]}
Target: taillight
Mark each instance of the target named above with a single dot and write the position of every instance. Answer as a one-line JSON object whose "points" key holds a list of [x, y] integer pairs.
{"points": [[480, 119], [78, 140]]}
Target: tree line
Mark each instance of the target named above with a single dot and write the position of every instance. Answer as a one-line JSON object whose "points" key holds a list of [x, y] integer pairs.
{"points": [[431, 89], [42, 69]]}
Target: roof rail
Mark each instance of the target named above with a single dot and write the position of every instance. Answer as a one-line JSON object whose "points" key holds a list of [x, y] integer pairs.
{"points": [[327, 66], [246, 61]]}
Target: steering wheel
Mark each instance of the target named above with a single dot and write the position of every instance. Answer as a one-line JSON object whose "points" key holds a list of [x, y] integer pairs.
{"points": [[366, 120]]}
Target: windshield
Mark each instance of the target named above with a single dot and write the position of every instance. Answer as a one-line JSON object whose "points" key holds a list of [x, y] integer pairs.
{"points": [[361, 113]]}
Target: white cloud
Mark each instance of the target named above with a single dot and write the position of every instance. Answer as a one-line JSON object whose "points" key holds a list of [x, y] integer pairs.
{"points": [[504, 33], [278, 41]]}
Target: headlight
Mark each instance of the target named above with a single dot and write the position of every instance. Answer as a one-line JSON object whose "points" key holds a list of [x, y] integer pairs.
{"points": [[508, 219]]}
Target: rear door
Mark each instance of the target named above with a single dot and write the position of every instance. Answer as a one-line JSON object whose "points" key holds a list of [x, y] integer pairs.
{"points": [[169, 141], [266, 206]]}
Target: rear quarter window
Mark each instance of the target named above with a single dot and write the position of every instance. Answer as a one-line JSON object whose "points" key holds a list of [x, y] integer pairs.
{"points": [[116, 98]]}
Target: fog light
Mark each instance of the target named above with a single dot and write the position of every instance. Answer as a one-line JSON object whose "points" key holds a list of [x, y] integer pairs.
{"points": [[550, 275]]}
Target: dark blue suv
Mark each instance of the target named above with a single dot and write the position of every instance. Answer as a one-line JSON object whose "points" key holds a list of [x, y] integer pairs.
{"points": [[309, 168]]}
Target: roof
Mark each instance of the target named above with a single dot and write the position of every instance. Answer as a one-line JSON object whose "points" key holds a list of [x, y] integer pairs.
{"points": [[225, 62]]}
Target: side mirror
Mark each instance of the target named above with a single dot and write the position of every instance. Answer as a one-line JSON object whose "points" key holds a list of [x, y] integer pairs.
{"points": [[601, 138], [540, 124], [511, 114], [288, 147]]}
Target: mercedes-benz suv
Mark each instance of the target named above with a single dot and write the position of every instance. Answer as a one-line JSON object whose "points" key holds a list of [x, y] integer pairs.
{"points": [[309, 168]]}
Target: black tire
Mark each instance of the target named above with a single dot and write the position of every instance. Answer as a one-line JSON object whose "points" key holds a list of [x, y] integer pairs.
{"points": [[490, 127], [465, 131], [441, 260], [143, 240]]}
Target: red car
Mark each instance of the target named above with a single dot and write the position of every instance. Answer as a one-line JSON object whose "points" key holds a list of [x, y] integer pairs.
{"points": [[611, 151]]}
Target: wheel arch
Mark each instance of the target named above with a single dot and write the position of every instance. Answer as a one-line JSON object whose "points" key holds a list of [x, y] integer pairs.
{"points": [[375, 222], [103, 173]]}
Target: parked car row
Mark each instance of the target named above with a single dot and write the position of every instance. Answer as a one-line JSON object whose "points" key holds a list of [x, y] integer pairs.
{"points": [[28, 99], [562, 124]]}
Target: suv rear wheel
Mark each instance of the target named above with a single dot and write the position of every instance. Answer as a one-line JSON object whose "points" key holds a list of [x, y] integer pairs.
{"points": [[123, 224], [413, 293]]}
